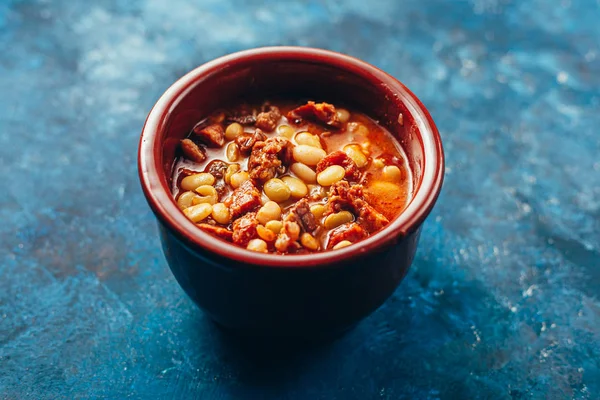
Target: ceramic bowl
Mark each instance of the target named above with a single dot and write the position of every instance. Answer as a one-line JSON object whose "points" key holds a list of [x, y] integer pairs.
{"points": [[311, 295]]}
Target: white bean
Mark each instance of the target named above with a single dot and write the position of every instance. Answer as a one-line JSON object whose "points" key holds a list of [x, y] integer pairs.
{"points": [[308, 139], [221, 214], [342, 244], [331, 175], [304, 172], [193, 181], [308, 155], [298, 188], [269, 212], [257, 245], [198, 212]]}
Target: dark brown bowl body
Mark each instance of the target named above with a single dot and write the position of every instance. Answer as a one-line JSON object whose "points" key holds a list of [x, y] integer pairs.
{"points": [[293, 295]]}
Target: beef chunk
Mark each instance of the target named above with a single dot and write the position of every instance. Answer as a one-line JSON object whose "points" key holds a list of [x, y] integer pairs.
{"points": [[268, 157], [369, 218], [338, 199], [244, 115], [244, 229], [352, 232], [187, 172], [247, 119], [211, 135], [351, 198], [267, 120], [216, 168], [340, 158], [218, 231], [322, 112], [221, 188], [192, 151], [246, 141], [301, 211], [244, 199]]}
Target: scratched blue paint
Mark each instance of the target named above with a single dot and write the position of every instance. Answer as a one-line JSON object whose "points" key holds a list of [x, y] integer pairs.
{"points": [[503, 299]]}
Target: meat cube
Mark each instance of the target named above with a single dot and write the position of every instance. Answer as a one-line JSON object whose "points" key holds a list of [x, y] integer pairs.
{"points": [[244, 199], [304, 216], [218, 231], [368, 217], [352, 232], [268, 157], [351, 198], [244, 115], [211, 135], [192, 151], [324, 113], [267, 120], [187, 172], [216, 168], [246, 141], [244, 229], [371, 219], [247, 119], [342, 159], [221, 188], [338, 198]]}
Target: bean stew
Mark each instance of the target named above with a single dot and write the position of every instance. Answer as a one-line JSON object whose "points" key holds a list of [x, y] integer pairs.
{"points": [[291, 178]]}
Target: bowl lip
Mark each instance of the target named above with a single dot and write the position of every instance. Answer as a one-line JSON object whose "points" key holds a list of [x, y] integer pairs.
{"points": [[160, 199]]}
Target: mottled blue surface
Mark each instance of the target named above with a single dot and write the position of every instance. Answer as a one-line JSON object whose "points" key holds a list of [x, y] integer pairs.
{"points": [[503, 300]]}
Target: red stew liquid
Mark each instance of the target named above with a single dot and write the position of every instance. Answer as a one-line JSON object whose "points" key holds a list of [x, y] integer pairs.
{"points": [[289, 178]]}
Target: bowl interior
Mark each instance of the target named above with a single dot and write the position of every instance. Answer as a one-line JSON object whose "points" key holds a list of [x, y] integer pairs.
{"points": [[256, 79]]}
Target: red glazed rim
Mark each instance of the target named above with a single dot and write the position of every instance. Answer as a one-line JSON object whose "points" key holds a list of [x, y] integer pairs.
{"points": [[158, 194]]}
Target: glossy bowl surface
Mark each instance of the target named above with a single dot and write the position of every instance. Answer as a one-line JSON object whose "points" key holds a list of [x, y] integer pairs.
{"points": [[292, 295]]}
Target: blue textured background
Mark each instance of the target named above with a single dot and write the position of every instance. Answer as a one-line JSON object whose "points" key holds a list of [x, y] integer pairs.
{"points": [[503, 298]]}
